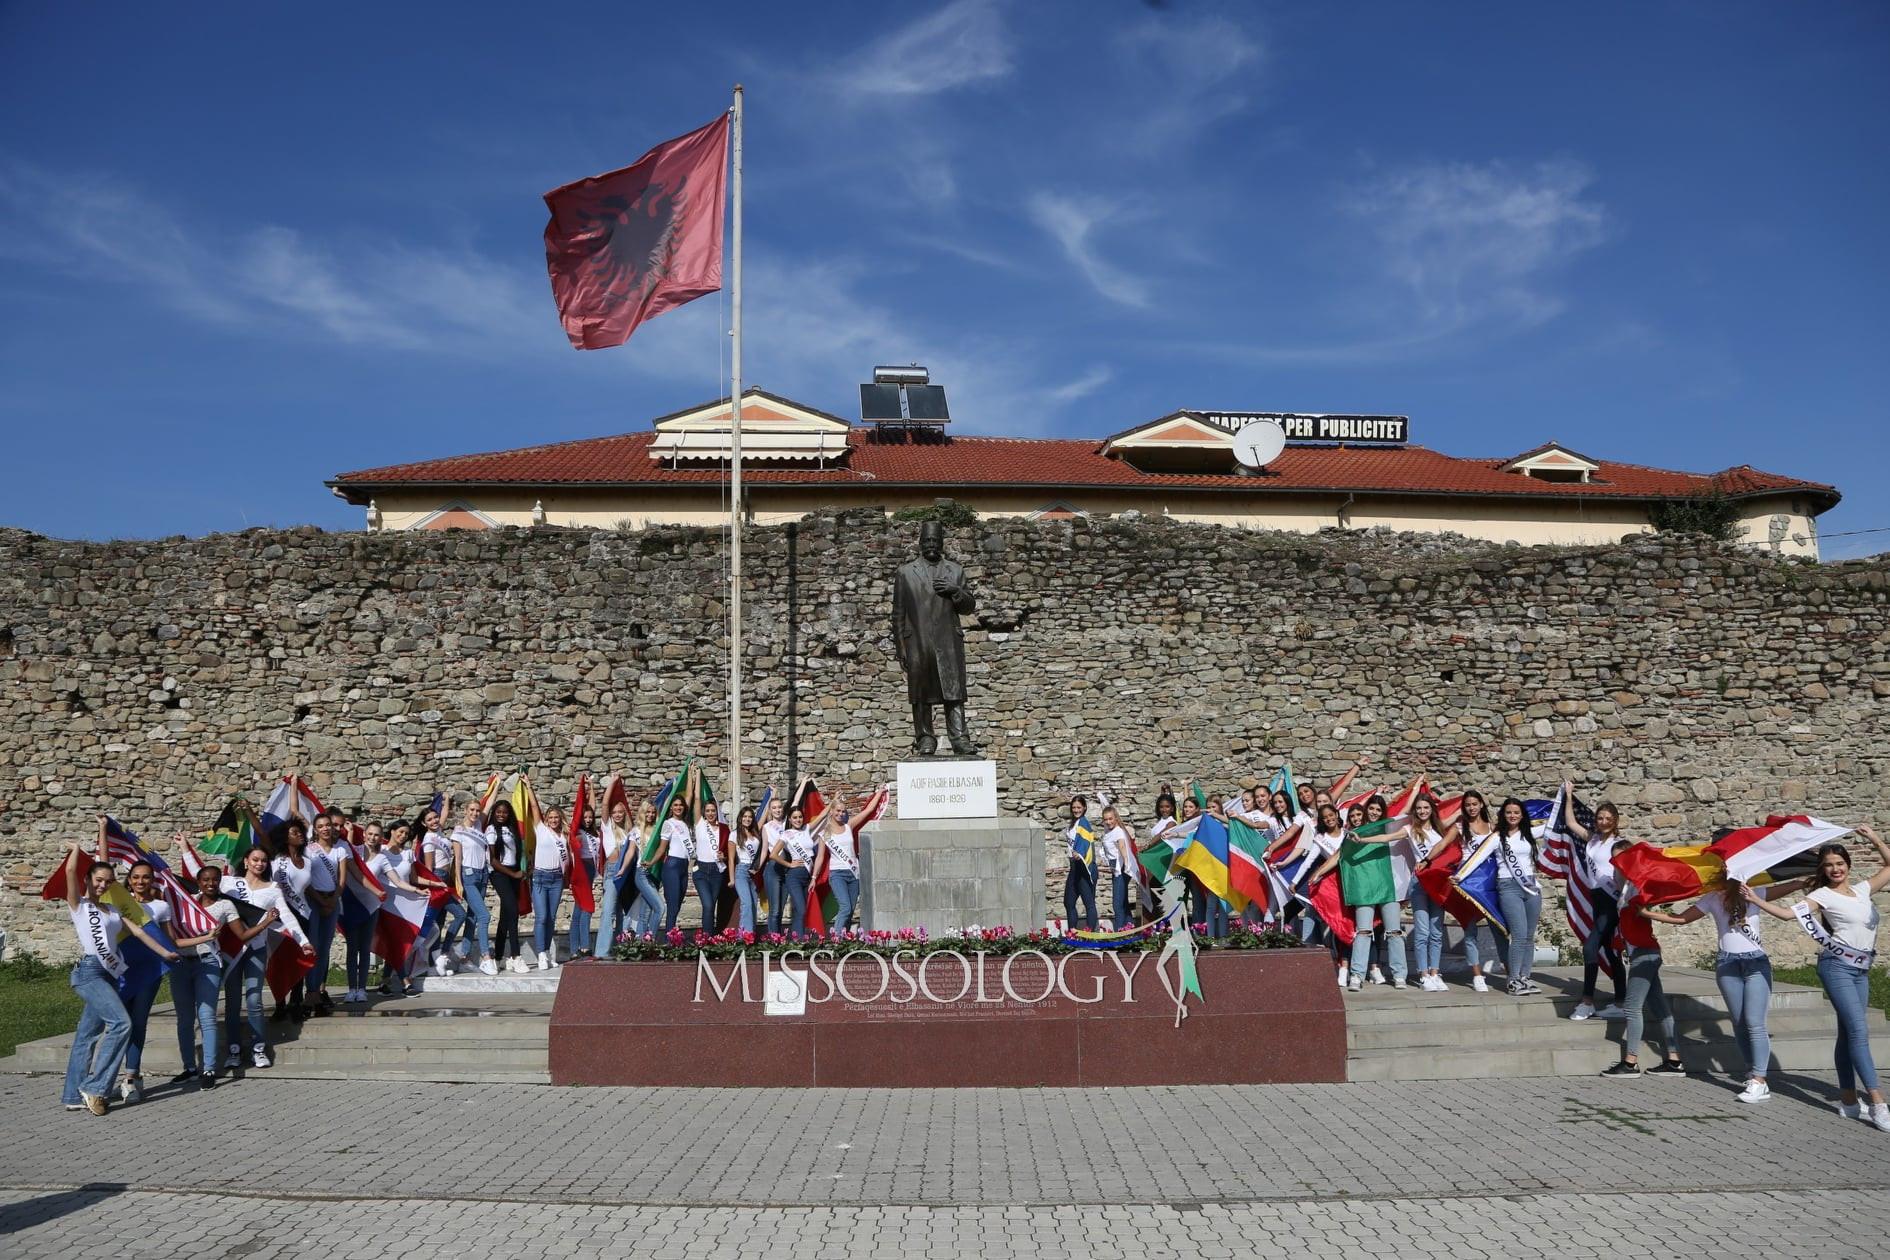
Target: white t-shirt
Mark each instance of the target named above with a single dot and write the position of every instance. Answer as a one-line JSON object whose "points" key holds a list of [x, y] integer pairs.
{"points": [[548, 854], [677, 838], [1852, 920], [437, 850], [323, 867], [1326, 844], [384, 866], [1159, 826], [223, 910], [98, 927], [613, 840], [1424, 841], [771, 833], [160, 914], [472, 849], [502, 846], [1115, 847], [842, 855], [708, 843], [1600, 855], [1519, 866], [294, 882], [1741, 938], [747, 850], [236, 888], [800, 845]]}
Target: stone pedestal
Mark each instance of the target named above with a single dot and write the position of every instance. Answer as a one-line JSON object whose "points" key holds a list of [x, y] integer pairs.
{"points": [[942, 874]]}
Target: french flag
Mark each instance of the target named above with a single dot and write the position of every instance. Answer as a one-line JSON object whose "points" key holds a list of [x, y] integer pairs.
{"points": [[1750, 851], [291, 799], [398, 931]]}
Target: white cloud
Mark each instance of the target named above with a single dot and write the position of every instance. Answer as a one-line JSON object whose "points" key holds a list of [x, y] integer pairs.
{"points": [[1474, 244], [964, 43], [1187, 73], [1083, 386], [270, 277], [1072, 223]]}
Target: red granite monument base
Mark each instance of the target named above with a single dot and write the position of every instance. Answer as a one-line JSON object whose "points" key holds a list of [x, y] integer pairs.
{"points": [[1269, 1016]]}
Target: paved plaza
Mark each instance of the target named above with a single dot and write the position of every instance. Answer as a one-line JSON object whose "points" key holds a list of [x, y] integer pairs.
{"points": [[1577, 1167]]}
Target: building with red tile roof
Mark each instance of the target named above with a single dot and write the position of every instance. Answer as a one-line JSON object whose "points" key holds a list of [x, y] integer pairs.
{"points": [[797, 459]]}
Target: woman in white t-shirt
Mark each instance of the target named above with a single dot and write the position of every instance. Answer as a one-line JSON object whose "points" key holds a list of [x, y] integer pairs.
{"points": [[197, 977], [1743, 970], [797, 855], [1518, 893], [706, 849], [677, 840], [1838, 914], [617, 891], [99, 1044], [744, 857], [139, 985], [774, 869], [471, 872], [551, 857], [1118, 855], [243, 978], [1427, 917], [358, 905], [505, 852]]}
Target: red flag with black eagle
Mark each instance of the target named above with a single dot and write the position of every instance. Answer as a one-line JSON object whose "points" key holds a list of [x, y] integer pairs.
{"points": [[628, 245]]}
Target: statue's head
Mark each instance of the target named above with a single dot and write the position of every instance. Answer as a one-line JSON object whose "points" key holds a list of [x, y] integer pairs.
{"points": [[932, 539]]}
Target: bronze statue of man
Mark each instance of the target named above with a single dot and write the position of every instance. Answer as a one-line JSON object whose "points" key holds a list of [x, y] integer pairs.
{"points": [[928, 595]]}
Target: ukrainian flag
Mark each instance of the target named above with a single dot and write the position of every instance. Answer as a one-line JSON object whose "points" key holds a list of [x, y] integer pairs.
{"points": [[1207, 860]]}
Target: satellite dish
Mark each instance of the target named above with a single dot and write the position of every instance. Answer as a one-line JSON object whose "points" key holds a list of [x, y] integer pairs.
{"points": [[1259, 443]]}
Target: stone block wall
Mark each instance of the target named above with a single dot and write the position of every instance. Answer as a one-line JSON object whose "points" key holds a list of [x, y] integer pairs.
{"points": [[1696, 685]]}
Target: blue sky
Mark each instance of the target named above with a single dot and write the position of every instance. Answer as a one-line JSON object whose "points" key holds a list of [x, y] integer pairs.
{"points": [[246, 247]]}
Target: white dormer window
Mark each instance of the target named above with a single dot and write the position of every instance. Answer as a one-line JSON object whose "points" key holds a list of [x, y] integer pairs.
{"points": [[1554, 462]]}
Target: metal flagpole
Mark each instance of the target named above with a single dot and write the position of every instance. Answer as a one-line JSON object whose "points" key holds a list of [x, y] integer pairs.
{"points": [[735, 483]]}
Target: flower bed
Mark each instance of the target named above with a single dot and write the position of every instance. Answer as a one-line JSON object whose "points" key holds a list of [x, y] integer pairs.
{"points": [[680, 946]]}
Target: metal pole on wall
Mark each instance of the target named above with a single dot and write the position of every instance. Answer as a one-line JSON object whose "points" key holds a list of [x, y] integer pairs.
{"points": [[735, 480]]}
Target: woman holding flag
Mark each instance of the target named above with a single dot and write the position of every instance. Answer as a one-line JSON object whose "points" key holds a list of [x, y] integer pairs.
{"points": [[1118, 851], [551, 857], [797, 856], [645, 851], [585, 852], [505, 850], [472, 871], [744, 854], [292, 873], [197, 978], [98, 918], [1643, 959], [1473, 827], [359, 906], [1598, 854], [1839, 916], [1079, 886], [707, 839], [1518, 892], [139, 985], [243, 979], [678, 838], [615, 858], [1427, 917]]}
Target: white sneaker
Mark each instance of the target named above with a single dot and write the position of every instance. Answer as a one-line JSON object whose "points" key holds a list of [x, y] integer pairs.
{"points": [[1430, 983], [260, 1058], [487, 967], [1611, 1011], [1377, 976], [441, 966], [544, 960], [1880, 1116], [1489, 966], [1478, 983], [1354, 985], [1851, 1111], [1397, 982], [1585, 1011], [1756, 1091], [1344, 974]]}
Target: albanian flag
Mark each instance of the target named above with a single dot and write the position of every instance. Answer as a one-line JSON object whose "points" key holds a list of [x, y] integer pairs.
{"points": [[629, 245]]}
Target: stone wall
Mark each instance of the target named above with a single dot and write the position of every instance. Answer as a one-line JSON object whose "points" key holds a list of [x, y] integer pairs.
{"points": [[1694, 684]]}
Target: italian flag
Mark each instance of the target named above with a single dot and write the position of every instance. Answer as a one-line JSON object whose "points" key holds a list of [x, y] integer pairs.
{"points": [[1372, 871]]}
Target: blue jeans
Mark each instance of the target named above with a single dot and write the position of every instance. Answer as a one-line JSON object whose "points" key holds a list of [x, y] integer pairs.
{"points": [[357, 929], [580, 934], [1643, 988], [1394, 939], [1848, 988], [609, 909], [708, 887], [547, 891], [138, 1008], [774, 884], [846, 892], [453, 918], [1427, 930], [477, 910], [1119, 898], [647, 914], [1213, 915], [1079, 886], [675, 881], [797, 881], [1521, 908], [745, 896], [321, 935], [242, 996], [99, 1045], [1745, 981], [195, 983]]}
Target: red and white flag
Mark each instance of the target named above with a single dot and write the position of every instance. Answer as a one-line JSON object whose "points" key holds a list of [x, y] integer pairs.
{"points": [[1750, 851], [397, 929], [628, 245]]}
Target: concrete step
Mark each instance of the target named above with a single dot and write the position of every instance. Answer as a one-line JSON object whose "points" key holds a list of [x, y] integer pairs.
{"points": [[1781, 1025], [476, 983], [1558, 1058]]}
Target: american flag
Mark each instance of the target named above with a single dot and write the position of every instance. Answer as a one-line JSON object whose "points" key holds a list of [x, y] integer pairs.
{"points": [[1565, 857]]}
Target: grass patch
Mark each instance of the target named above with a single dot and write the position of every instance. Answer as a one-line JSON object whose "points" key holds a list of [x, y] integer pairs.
{"points": [[1808, 976], [36, 1000]]}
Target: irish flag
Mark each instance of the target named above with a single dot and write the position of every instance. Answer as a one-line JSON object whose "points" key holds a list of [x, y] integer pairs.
{"points": [[1750, 851]]}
